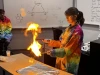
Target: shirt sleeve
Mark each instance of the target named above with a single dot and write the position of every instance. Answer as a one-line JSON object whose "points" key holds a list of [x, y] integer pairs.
{"points": [[54, 43], [7, 32], [69, 48], [8, 28]]}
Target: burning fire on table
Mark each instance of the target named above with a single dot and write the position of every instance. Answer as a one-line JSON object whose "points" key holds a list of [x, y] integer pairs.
{"points": [[35, 45]]}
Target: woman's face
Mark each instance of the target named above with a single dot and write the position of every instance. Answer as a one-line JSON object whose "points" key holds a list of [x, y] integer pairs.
{"points": [[71, 19], [2, 16]]}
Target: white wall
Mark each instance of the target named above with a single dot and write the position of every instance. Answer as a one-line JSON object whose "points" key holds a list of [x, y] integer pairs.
{"points": [[45, 13], [90, 32], [1, 4], [19, 41]]}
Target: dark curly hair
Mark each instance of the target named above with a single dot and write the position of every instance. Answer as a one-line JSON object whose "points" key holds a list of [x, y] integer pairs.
{"points": [[2, 11], [74, 11]]}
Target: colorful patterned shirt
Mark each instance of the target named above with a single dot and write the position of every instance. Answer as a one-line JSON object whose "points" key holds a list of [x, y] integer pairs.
{"points": [[5, 29], [69, 51]]}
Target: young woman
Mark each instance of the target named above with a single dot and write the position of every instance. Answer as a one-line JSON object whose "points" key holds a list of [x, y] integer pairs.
{"points": [[5, 32], [69, 51]]}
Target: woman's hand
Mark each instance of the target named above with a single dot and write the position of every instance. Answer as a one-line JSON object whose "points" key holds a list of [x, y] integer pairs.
{"points": [[48, 52], [51, 53]]}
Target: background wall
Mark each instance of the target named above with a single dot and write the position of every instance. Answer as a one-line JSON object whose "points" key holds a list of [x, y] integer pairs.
{"points": [[45, 13], [91, 10], [20, 41], [1, 4]]}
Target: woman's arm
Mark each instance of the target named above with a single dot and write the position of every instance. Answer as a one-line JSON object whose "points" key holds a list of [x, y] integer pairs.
{"points": [[69, 48], [54, 43], [7, 31], [8, 28]]}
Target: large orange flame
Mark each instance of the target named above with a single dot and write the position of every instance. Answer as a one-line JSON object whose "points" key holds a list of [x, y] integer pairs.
{"points": [[35, 46]]}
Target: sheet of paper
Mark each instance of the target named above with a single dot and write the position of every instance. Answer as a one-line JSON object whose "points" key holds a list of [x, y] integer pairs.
{"points": [[38, 69], [7, 59]]}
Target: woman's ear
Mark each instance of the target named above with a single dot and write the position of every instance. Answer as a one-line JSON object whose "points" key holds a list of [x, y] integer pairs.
{"points": [[75, 16]]}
